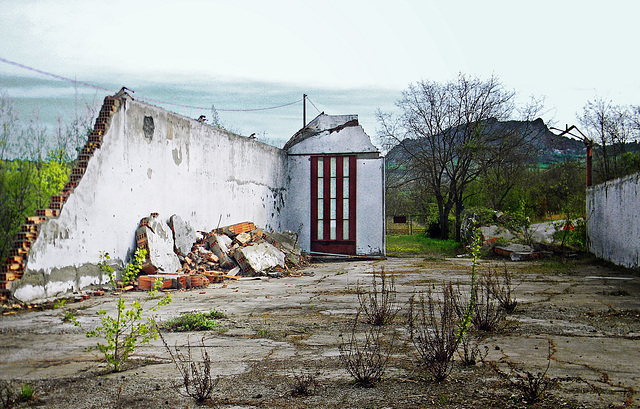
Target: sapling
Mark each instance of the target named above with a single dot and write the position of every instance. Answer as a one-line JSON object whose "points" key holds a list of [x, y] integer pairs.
{"points": [[126, 329]]}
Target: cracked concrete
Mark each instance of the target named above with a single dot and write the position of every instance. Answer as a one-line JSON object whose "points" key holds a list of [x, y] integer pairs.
{"points": [[585, 313]]}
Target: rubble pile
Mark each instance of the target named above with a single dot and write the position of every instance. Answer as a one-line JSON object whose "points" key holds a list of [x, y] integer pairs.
{"points": [[231, 252]]}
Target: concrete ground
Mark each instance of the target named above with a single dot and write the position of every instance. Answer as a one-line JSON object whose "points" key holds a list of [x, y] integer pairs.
{"points": [[581, 314]]}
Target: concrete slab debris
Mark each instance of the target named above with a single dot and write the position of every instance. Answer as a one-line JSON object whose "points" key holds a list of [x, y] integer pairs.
{"points": [[156, 236], [517, 252], [183, 235], [259, 257]]}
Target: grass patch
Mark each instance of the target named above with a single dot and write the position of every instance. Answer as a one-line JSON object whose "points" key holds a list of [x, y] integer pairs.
{"points": [[418, 244], [194, 321]]}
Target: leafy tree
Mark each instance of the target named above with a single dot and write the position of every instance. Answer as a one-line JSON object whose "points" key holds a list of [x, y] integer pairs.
{"points": [[34, 164]]}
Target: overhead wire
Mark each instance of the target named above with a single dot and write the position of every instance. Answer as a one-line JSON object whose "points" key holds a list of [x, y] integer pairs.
{"points": [[86, 84]]}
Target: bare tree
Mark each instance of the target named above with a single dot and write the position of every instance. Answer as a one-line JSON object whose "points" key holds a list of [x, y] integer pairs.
{"points": [[448, 136], [610, 127]]}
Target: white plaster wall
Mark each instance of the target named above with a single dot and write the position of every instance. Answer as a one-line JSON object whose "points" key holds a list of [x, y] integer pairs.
{"points": [[298, 210], [205, 175], [613, 221], [370, 229]]}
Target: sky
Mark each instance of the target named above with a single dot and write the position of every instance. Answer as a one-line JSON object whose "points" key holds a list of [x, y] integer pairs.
{"points": [[349, 56]]}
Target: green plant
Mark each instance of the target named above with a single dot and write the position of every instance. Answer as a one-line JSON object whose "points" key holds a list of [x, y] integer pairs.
{"points": [[571, 233], [132, 270], [8, 397], [104, 266], [123, 332], [194, 321], [129, 273], [27, 392], [68, 315]]}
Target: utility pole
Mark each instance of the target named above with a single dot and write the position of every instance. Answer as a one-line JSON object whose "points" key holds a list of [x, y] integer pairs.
{"points": [[588, 143], [304, 110]]}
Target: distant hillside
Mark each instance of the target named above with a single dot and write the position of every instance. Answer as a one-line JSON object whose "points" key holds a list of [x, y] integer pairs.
{"points": [[551, 147]]}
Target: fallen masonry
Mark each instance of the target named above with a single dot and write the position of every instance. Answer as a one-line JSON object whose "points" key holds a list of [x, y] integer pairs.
{"points": [[231, 252]]}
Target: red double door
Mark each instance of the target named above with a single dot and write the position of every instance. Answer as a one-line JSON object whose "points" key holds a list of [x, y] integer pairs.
{"points": [[333, 204]]}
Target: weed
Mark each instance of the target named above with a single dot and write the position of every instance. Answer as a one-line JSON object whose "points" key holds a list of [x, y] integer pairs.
{"points": [[68, 315], [501, 288], [532, 386], [123, 332], [26, 393], [435, 330], [469, 349], [379, 302], [366, 360], [194, 321], [196, 375], [8, 398], [106, 268], [130, 272], [303, 384], [487, 314]]}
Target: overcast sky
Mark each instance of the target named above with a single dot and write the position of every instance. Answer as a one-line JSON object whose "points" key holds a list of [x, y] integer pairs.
{"points": [[567, 51]]}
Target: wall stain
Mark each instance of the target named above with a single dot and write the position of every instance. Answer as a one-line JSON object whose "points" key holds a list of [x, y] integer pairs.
{"points": [[177, 156]]}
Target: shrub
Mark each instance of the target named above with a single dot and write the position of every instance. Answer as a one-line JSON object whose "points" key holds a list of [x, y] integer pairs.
{"points": [[501, 289], [379, 302], [196, 375], [125, 331], [435, 330], [366, 359]]}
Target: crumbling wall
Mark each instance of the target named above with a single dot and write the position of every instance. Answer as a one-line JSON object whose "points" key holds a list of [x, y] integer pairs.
{"points": [[151, 160], [613, 221]]}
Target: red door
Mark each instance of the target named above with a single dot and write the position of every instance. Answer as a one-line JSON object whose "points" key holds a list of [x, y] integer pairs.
{"points": [[333, 204]]}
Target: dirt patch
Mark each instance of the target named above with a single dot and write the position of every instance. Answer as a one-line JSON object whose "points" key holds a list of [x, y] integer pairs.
{"points": [[278, 328]]}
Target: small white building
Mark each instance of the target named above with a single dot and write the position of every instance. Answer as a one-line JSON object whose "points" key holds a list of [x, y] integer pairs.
{"points": [[336, 188]]}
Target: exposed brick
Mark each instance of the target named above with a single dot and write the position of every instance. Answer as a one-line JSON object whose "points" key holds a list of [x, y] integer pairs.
{"points": [[18, 252], [29, 228], [48, 212]]}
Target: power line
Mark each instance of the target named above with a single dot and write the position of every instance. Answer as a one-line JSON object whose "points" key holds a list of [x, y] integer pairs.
{"points": [[85, 84], [53, 75], [216, 109]]}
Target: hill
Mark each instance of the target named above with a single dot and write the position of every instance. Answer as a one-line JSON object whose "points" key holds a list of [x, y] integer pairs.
{"points": [[551, 148]]}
